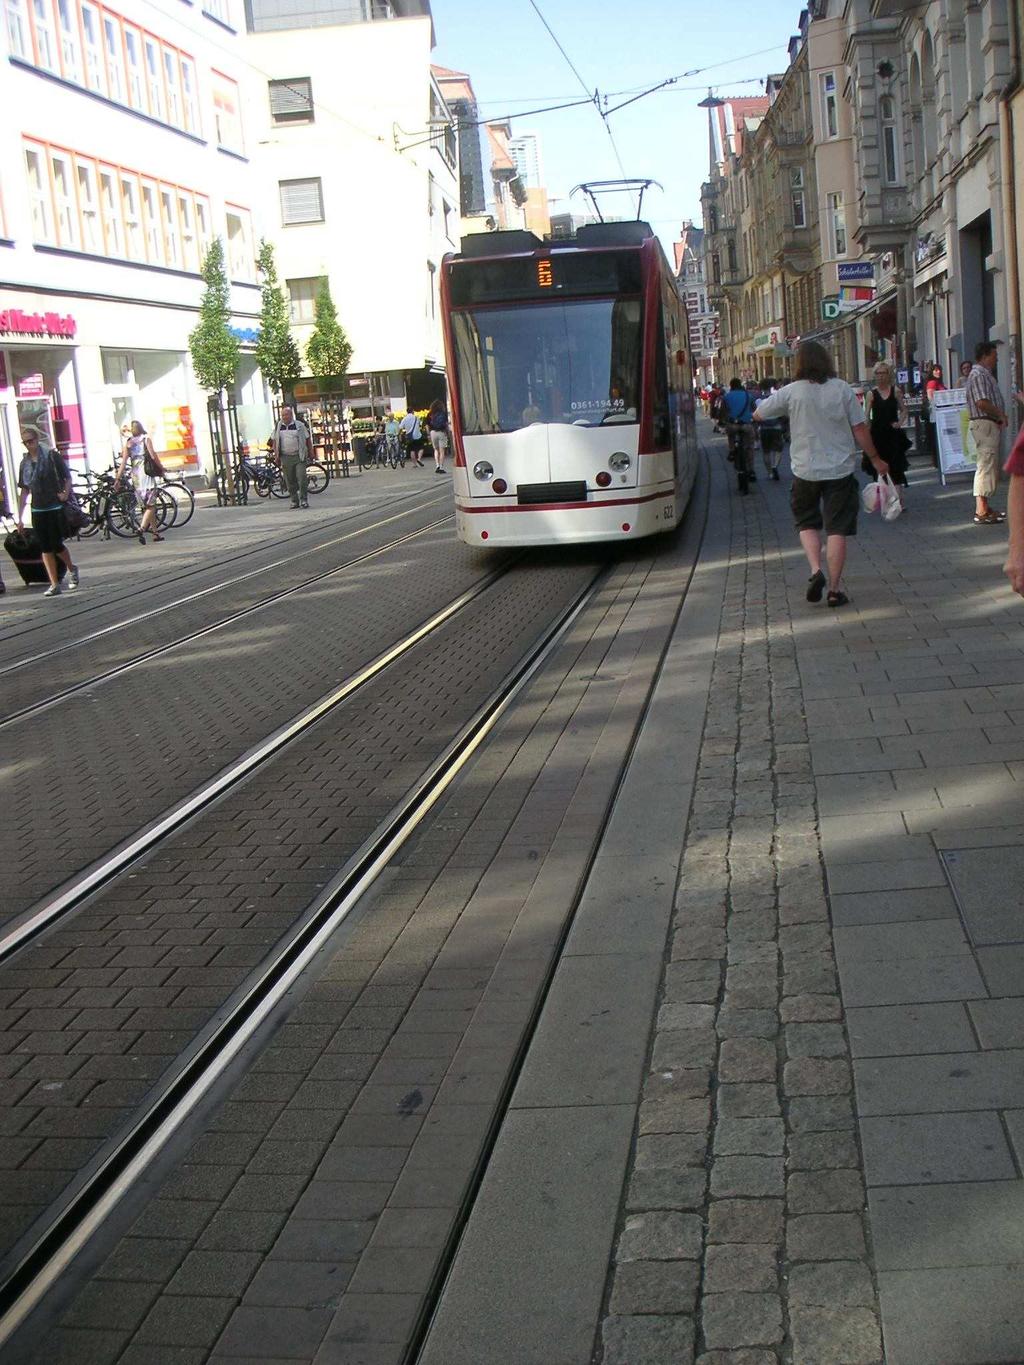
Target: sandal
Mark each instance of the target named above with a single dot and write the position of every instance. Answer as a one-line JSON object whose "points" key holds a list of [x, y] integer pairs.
{"points": [[990, 519], [815, 586], [837, 599], [157, 538]]}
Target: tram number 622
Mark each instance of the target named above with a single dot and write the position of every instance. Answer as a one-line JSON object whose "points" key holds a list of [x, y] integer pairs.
{"points": [[668, 512]]}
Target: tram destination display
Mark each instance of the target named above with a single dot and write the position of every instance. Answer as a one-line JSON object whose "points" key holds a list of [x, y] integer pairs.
{"points": [[563, 274]]}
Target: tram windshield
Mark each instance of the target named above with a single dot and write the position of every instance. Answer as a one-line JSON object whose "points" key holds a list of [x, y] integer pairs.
{"points": [[575, 362]]}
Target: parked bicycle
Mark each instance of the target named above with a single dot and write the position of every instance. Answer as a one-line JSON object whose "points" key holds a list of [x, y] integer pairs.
{"points": [[119, 510], [266, 478], [383, 452]]}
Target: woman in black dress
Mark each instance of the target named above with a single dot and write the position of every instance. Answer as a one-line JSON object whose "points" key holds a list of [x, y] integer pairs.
{"points": [[886, 412]]}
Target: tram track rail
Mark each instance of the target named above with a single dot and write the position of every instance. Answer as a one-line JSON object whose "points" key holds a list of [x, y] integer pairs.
{"points": [[56, 698], [74, 1219], [223, 585]]}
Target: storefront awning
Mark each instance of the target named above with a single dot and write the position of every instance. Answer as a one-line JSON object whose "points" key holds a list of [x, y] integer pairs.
{"points": [[831, 328]]}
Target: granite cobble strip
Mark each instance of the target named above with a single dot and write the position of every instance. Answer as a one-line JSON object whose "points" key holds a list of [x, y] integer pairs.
{"points": [[751, 1026]]}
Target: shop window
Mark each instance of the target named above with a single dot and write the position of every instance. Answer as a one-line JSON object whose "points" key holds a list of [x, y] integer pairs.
{"points": [[92, 48], [39, 194], [131, 213], [226, 113], [18, 40], [136, 69], [240, 255], [189, 96], [70, 49], [172, 79], [110, 211], [114, 54], [799, 206], [302, 298], [291, 101], [829, 105], [836, 222], [88, 207], [169, 217], [155, 81], [151, 222], [46, 45], [64, 200], [302, 201]]}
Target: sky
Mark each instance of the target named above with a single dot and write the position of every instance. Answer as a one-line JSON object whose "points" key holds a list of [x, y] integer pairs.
{"points": [[515, 66]]}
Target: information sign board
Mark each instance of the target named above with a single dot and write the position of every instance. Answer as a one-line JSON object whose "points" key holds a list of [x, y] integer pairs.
{"points": [[956, 453]]}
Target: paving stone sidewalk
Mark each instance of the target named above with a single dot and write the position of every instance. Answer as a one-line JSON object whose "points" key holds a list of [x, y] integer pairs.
{"points": [[837, 820]]}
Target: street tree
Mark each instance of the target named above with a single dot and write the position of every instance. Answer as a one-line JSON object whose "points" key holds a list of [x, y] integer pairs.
{"points": [[276, 352], [213, 348], [328, 350]]}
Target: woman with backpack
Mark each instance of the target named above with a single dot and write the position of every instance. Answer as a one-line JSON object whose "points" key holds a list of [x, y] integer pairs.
{"points": [[437, 425]]}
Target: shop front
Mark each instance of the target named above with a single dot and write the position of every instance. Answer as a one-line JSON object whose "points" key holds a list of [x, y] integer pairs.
{"points": [[768, 344], [38, 387]]}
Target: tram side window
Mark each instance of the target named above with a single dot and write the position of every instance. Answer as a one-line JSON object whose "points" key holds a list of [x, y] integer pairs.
{"points": [[575, 362], [661, 419]]}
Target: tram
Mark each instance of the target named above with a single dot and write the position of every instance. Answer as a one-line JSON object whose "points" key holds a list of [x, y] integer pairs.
{"points": [[572, 406]]}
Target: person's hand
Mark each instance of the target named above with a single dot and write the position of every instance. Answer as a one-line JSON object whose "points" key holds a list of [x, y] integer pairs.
{"points": [[1014, 569], [881, 467]]}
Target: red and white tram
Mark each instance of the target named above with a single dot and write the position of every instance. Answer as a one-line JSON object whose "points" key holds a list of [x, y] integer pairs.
{"points": [[572, 405]]}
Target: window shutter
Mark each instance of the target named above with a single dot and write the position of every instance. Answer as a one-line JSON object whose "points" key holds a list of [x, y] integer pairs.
{"points": [[291, 100], [301, 201]]}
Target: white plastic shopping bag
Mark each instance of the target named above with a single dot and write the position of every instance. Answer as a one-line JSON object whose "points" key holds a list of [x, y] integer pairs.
{"points": [[889, 499], [870, 497]]}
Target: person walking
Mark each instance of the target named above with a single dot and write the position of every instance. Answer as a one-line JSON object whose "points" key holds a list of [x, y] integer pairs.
{"points": [[410, 429], [292, 448], [825, 419], [46, 480], [886, 411], [437, 425], [773, 433], [146, 469], [1014, 566], [987, 419]]}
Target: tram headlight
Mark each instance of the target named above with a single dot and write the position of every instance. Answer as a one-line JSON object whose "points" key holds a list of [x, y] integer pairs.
{"points": [[620, 462], [483, 469]]}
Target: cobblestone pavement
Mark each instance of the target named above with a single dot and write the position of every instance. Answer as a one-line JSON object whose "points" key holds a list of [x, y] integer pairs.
{"points": [[829, 783], [306, 1216], [98, 1009]]}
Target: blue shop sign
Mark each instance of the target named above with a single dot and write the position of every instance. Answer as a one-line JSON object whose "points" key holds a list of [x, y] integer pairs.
{"points": [[851, 272], [248, 336]]}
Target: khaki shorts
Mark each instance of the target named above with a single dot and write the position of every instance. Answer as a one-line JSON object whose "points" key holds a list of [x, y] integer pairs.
{"points": [[987, 438]]}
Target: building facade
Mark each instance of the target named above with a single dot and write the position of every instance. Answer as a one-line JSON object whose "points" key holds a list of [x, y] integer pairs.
{"points": [[703, 320], [127, 151], [362, 188]]}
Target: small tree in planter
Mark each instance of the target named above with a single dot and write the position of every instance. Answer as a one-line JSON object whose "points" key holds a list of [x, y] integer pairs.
{"points": [[328, 350], [276, 352], [213, 348]]}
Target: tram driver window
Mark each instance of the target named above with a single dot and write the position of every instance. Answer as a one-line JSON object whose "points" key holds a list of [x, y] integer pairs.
{"points": [[575, 362]]}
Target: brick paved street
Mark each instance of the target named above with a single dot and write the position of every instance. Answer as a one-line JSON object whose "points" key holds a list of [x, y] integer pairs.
{"points": [[772, 1109]]}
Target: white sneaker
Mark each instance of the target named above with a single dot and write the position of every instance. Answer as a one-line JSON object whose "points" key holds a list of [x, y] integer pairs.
{"points": [[73, 577], [53, 590]]}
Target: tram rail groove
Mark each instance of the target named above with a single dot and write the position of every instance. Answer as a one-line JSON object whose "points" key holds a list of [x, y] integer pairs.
{"points": [[73, 893], [206, 592], [79, 1216], [57, 697]]}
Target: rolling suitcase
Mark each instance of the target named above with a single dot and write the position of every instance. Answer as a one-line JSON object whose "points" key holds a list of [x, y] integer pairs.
{"points": [[23, 548]]}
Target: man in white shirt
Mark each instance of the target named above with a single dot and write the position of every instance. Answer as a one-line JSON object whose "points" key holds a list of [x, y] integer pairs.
{"points": [[292, 448], [410, 428]]}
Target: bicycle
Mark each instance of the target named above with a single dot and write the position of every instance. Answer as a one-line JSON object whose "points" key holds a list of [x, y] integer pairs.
{"points": [[119, 511], [268, 481], [184, 500]]}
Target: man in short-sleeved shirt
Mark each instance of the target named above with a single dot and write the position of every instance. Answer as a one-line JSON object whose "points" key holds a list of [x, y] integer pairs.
{"points": [[987, 419]]}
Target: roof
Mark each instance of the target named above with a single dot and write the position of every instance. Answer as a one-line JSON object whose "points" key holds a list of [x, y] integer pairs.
{"points": [[729, 120]]}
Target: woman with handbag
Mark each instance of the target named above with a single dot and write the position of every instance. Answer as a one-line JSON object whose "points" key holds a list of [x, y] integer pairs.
{"points": [[146, 469], [886, 412]]}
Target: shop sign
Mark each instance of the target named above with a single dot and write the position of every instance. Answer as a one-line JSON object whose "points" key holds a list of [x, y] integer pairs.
{"points": [[4, 381], [31, 386], [248, 336], [13, 320], [834, 305], [927, 249], [769, 338], [856, 272]]}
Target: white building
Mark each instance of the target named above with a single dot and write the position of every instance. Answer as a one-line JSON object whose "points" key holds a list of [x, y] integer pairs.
{"points": [[524, 149], [357, 151], [125, 153]]}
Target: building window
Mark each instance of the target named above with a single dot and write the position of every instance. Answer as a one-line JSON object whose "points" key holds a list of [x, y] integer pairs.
{"points": [[136, 70], [190, 95], [291, 101], [155, 81], [151, 222], [110, 211], [226, 113], [837, 222], [70, 52], [186, 219], [64, 200], [171, 227], [46, 48], [115, 58], [88, 205], [18, 39], [302, 298], [131, 216], [796, 181], [240, 253], [890, 141], [39, 194], [217, 9], [172, 79], [302, 201], [94, 78], [716, 269], [829, 107], [202, 225], [731, 255]]}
